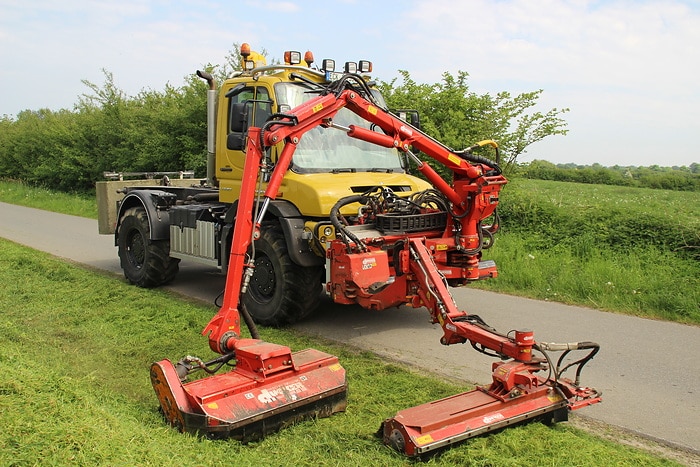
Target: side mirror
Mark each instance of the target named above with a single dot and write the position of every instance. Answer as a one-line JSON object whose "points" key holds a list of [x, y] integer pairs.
{"points": [[235, 141], [239, 117], [238, 120], [409, 116]]}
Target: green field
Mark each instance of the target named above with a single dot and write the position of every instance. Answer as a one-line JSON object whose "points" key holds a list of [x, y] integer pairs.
{"points": [[75, 347], [622, 249]]}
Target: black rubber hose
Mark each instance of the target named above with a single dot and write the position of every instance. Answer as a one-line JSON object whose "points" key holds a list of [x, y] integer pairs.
{"points": [[594, 349], [335, 217], [249, 322], [476, 159]]}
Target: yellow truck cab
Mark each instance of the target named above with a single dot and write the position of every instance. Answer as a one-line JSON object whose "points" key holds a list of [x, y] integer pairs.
{"points": [[155, 227]]}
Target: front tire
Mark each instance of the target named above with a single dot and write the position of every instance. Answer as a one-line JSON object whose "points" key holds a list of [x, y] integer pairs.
{"points": [[280, 291], [146, 262]]}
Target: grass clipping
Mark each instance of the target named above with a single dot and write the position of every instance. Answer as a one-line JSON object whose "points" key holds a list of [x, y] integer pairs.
{"points": [[75, 348]]}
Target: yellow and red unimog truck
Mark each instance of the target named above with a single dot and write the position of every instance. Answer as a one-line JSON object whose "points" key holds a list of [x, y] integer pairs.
{"points": [[155, 227]]}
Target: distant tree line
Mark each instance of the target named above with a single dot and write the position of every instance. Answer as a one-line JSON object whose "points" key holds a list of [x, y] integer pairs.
{"points": [[106, 131], [165, 131], [668, 178]]}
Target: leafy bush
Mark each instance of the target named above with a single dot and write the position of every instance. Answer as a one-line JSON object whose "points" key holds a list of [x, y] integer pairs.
{"points": [[107, 131], [458, 117], [665, 178]]}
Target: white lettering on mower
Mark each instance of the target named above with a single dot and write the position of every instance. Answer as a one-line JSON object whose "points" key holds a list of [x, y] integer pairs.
{"points": [[286, 392], [493, 418]]}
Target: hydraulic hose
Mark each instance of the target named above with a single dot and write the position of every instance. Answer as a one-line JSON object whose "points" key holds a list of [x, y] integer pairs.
{"points": [[335, 218], [566, 349], [249, 321], [477, 159], [467, 155]]}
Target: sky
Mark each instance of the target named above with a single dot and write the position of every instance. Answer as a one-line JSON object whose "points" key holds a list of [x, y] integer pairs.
{"points": [[627, 70]]}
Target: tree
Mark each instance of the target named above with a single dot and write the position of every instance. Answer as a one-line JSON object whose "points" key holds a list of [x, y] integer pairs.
{"points": [[166, 130], [458, 117]]}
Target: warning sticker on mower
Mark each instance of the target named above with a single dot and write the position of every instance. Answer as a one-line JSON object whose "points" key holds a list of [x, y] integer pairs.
{"points": [[285, 393], [369, 263]]}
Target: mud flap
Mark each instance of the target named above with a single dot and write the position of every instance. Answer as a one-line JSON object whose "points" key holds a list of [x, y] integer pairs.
{"points": [[242, 405]]}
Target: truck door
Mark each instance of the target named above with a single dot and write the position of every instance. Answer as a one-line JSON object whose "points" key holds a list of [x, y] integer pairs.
{"points": [[232, 154]]}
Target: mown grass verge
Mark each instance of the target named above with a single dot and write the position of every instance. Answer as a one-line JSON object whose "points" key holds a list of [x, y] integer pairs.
{"points": [[75, 347]]}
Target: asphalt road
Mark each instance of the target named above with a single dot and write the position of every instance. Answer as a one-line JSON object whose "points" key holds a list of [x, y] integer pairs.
{"points": [[649, 371]]}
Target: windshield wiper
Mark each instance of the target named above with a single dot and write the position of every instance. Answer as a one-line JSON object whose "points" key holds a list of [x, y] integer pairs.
{"points": [[317, 87], [345, 169], [382, 169]]}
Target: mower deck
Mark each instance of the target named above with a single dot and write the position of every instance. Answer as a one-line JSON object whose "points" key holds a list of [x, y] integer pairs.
{"points": [[243, 405], [419, 430]]}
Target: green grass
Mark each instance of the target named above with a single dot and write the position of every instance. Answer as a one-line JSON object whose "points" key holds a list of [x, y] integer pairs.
{"points": [[644, 282], [613, 217], [683, 206], [622, 249], [75, 348], [42, 198]]}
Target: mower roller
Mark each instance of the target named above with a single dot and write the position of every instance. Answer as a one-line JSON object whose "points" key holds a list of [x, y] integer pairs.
{"points": [[386, 250]]}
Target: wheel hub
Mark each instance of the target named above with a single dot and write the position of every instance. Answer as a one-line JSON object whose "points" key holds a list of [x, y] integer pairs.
{"points": [[264, 277], [136, 250]]}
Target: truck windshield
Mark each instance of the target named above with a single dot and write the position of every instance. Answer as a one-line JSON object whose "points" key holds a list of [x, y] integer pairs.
{"points": [[332, 150]]}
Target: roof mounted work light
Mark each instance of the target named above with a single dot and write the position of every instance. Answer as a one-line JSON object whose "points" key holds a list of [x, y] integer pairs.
{"points": [[292, 57], [350, 67], [365, 66]]}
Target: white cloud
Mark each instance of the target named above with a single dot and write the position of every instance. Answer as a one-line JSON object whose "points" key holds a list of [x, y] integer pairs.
{"points": [[627, 69], [528, 40], [281, 7]]}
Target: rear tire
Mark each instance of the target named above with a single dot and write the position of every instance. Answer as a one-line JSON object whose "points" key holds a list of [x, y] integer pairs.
{"points": [[146, 263], [280, 291]]}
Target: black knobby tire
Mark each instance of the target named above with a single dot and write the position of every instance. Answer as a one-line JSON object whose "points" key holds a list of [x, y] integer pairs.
{"points": [[280, 291], [146, 263]]}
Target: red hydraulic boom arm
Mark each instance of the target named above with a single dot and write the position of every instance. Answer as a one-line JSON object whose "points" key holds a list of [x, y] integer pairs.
{"points": [[383, 270], [474, 196]]}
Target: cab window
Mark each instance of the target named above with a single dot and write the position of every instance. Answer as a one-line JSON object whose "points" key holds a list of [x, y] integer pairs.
{"points": [[259, 108]]}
